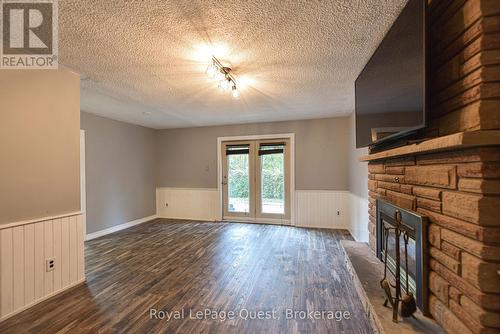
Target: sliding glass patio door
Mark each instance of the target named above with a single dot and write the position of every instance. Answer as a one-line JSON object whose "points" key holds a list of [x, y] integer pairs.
{"points": [[256, 182]]}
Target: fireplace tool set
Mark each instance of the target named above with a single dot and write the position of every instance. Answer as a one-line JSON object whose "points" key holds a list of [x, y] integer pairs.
{"points": [[408, 303]]}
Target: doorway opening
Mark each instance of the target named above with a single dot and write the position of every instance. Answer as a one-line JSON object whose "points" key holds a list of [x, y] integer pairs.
{"points": [[256, 179]]}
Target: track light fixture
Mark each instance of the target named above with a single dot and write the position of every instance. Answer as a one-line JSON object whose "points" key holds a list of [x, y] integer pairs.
{"points": [[224, 77]]}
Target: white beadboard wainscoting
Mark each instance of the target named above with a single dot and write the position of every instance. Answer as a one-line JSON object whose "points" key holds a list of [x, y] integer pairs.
{"points": [[24, 248], [322, 209], [358, 221], [187, 203], [313, 208]]}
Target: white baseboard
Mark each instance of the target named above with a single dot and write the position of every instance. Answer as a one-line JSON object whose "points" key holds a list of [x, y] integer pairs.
{"points": [[120, 227], [38, 301], [189, 218]]}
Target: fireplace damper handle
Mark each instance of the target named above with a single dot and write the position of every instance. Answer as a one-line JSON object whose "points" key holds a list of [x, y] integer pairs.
{"points": [[397, 217]]}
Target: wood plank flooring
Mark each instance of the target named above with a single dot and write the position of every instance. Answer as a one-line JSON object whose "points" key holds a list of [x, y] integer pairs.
{"points": [[169, 265]]}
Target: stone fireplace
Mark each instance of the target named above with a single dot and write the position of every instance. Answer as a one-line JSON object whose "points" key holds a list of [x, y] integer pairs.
{"points": [[450, 173], [458, 191]]}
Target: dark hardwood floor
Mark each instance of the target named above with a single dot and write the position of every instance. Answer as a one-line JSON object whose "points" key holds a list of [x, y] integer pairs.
{"points": [[177, 265]]}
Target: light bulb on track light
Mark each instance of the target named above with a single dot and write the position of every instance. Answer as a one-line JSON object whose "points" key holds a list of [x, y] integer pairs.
{"points": [[224, 84], [219, 75], [211, 71], [235, 92]]}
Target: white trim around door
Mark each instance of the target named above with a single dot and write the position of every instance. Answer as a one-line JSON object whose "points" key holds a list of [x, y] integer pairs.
{"points": [[291, 138]]}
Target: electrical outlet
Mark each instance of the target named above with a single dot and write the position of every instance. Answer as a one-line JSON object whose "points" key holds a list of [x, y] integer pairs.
{"points": [[50, 264]]}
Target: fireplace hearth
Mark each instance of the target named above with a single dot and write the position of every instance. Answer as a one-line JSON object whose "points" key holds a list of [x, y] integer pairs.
{"points": [[393, 223]]}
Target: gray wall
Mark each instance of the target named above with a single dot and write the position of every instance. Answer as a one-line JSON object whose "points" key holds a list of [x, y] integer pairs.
{"points": [[120, 162], [39, 144], [358, 171], [188, 157], [358, 187]]}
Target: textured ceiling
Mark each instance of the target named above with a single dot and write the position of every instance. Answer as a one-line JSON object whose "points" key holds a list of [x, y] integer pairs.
{"points": [[144, 61]]}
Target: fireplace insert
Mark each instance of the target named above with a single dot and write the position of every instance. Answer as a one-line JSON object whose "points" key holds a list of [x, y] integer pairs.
{"points": [[415, 226]]}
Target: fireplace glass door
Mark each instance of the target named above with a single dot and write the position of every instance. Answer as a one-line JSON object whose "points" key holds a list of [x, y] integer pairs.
{"points": [[389, 217]]}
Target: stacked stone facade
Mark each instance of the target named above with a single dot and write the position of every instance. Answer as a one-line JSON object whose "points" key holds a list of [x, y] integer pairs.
{"points": [[459, 192], [457, 189]]}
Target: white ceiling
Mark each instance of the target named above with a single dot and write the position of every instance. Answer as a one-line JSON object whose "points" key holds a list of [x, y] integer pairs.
{"points": [[144, 62]]}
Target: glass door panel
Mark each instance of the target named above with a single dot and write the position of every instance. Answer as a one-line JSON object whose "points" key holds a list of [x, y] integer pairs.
{"points": [[272, 179], [237, 179], [238, 183], [273, 186]]}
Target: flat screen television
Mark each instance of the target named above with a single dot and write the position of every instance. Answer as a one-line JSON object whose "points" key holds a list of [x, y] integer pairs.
{"points": [[390, 90]]}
